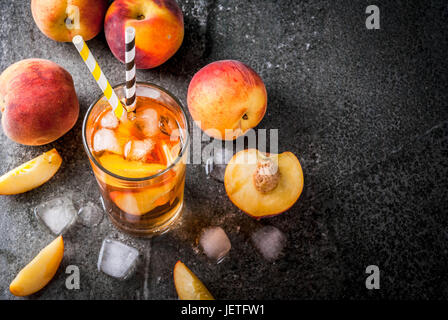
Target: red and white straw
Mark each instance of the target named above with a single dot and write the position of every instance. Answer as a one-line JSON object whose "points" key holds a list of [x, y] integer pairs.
{"points": [[130, 69]]}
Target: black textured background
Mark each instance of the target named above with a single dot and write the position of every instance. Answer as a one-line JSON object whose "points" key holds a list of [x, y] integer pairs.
{"points": [[364, 110]]}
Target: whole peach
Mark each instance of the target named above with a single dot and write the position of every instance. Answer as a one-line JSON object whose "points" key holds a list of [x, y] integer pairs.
{"points": [[38, 101], [226, 98], [159, 28], [61, 20]]}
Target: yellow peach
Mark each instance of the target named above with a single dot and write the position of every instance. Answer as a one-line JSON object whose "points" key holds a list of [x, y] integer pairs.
{"points": [[36, 274], [226, 99], [159, 28], [263, 185], [188, 285], [128, 168], [62, 20], [31, 174], [141, 202], [38, 101]]}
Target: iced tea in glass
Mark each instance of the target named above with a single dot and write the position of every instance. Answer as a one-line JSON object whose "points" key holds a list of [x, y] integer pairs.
{"points": [[139, 163]]}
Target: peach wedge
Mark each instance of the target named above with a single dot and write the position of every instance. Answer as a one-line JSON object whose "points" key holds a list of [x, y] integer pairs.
{"points": [[188, 285], [263, 185], [36, 274], [31, 174], [131, 169], [139, 203]]}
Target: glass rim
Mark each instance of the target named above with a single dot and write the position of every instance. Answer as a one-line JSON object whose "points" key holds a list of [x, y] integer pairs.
{"points": [[158, 174]]}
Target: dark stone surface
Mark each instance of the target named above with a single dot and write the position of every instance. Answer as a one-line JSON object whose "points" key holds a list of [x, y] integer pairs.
{"points": [[364, 110]]}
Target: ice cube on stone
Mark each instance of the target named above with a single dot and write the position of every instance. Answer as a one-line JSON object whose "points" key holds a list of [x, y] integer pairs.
{"points": [[148, 121], [215, 243], [217, 172], [90, 215], [109, 121], [223, 155], [57, 214], [138, 149], [117, 259], [216, 165], [208, 166], [269, 241], [105, 140]]}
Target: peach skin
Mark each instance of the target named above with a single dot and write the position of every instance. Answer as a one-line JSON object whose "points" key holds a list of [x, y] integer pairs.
{"points": [[38, 102], [62, 20], [226, 98], [159, 28]]}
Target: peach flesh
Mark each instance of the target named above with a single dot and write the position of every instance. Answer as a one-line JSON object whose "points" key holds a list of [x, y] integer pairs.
{"points": [[283, 192], [31, 174], [38, 273], [188, 286], [226, 98]]}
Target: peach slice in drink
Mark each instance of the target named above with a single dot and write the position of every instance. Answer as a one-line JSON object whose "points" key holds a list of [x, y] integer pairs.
{"points": [[36, 274], [141, 202], [31, 174], [188, 285], [128, 168]]}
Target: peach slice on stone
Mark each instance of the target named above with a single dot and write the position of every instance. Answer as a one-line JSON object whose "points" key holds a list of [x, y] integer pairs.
{"points": [[31, 174], [188, 285], [263, 185], [36, 274]]}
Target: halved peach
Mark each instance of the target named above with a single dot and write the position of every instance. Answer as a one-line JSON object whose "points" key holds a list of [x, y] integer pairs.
{"points": [[188, 285], [31, 174], [263, 185], [130, 169], [36, 274]]}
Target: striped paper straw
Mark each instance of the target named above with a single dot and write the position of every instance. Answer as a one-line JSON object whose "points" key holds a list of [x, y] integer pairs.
{"points": [[130, 68], [99, 76]]}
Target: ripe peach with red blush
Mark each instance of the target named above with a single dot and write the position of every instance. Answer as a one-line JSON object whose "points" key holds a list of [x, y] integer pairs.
{"points": [[38, 101], [159, 28], [227, 98]]}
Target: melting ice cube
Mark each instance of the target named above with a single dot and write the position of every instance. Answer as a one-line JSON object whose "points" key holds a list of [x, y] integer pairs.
{"points": [[109, 121], [117, 259], [169, 126], [270, 242], [90, 215], [138, 149], [57, 214], [215, 243], [148, 121], [223, 155], [216, 166], [105, 140]]}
